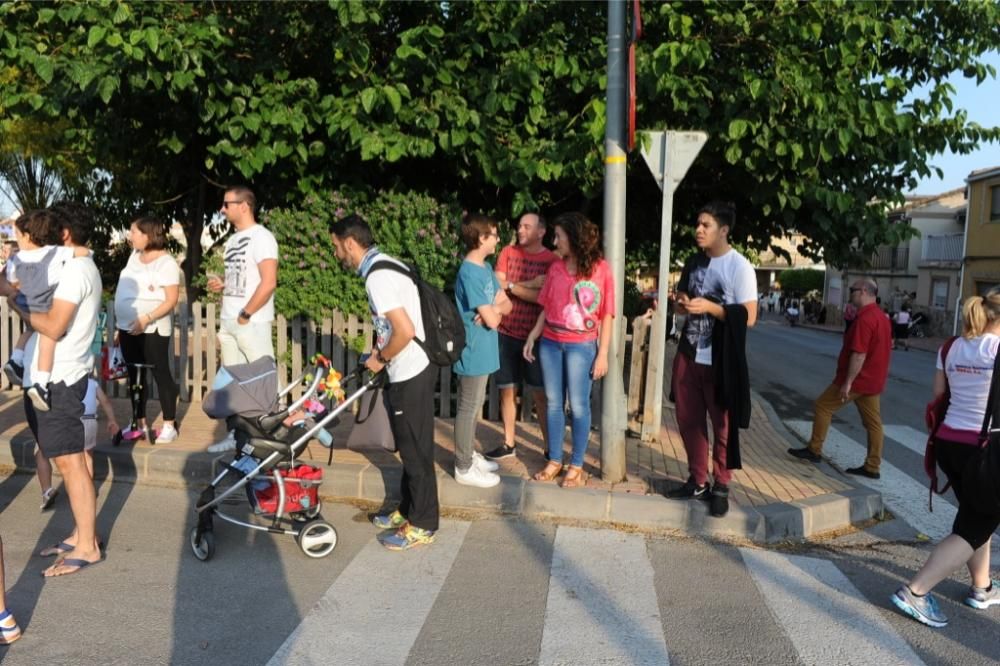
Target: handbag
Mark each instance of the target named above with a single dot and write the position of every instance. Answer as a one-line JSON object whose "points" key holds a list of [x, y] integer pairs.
{"points": [[980, 486], [113, 363], [934, 414]]}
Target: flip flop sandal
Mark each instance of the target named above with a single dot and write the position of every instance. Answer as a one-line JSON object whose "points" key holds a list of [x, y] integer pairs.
{"points": [[72, 562], [63, 547], [9, 634]]}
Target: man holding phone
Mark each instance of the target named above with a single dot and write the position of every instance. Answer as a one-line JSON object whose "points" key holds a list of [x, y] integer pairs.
{"points": [[251, 259], [712, 280]]}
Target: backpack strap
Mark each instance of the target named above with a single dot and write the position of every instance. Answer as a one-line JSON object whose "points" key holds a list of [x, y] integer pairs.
{"points": [[991, 401], [410, 272]]}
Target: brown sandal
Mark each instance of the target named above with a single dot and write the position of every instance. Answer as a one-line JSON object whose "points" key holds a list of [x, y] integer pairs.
{"points": [[574, 477], [550, 472]]}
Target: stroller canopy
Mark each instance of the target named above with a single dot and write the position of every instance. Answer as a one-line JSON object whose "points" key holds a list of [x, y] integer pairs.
{"points": [[247, 389]]}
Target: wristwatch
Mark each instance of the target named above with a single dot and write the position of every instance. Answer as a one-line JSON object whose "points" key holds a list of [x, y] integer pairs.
{"points": [[244, 314], [381, 359], [510, 288]]}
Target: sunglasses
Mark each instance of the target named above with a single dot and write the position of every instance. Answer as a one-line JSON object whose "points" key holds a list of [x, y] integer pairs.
{"points": [[225, 204]]}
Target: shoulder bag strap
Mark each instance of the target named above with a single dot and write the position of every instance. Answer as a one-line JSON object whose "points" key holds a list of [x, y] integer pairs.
{"points": [[994, 395]]}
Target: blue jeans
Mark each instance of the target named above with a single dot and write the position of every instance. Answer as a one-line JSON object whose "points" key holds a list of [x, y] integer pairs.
{"points": [[566, 368]]}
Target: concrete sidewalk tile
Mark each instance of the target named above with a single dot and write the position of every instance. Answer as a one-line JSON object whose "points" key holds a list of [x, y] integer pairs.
{"points": [[174, 465], [549, 499], [505, 496], [343, 480]]}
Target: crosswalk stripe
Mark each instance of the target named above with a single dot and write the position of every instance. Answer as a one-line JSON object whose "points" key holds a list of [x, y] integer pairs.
{"points": [[602, 606], [905, 496], [827, 619], [379, 591], [911, 438]]}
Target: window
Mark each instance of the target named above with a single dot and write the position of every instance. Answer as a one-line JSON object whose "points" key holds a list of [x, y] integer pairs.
{"points": [[995, 203], [939, 293]]}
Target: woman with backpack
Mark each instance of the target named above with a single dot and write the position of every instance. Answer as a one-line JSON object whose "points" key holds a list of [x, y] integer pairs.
{"points": [[578, 306], [967, 372]]}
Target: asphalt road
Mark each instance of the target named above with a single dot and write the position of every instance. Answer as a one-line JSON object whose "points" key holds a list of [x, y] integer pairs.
{"points": [[489, 591]]}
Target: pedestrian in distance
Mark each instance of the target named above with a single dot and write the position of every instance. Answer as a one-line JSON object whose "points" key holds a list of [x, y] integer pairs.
{"points": [[59, 431], [862, 371], [966, 374], [482, 305], [251, 260], [145, 298], [578, 306], [396, 313], [520, 270], [9, 631], [901, 328], [718, 292]]}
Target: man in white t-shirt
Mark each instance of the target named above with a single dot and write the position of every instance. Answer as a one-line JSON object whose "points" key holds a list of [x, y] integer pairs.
{"points": [[716, 277], [251, 258], [72, 321], [395, 308]]}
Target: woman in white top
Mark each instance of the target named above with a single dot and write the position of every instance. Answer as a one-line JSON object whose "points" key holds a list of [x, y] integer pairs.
{"points": [[968, 370], [144, 305]]}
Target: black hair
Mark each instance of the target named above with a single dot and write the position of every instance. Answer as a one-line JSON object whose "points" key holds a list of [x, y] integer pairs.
{"points": [[724, 213], [353, 226]]}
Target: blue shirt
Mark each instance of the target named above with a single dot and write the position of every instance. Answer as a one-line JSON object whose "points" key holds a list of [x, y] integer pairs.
{"points": [[477, 286]]}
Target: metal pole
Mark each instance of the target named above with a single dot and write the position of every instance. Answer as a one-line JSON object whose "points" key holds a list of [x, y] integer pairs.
{"points": [[613, 390], [652, 419]]}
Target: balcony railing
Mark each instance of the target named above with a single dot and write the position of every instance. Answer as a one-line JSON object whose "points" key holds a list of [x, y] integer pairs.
{"points": [[891, 258], [943, 247]]}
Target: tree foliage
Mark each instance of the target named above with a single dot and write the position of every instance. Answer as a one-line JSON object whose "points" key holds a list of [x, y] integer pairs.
{"points": [[499, 106], [801, 280]]}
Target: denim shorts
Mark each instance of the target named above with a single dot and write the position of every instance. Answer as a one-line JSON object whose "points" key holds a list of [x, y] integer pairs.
{"points": [[513, 368]]}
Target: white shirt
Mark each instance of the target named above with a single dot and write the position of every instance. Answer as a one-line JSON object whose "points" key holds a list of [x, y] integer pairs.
{"points": [[387, 291], [969, 368], [243, 252], [141, 290], [80, 285], [731, 279], [62, 255], [90, 398], [901, 317]]}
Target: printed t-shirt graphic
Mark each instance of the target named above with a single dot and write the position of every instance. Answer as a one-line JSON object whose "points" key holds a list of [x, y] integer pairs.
{"points": [[575, 308], [725, 280]]}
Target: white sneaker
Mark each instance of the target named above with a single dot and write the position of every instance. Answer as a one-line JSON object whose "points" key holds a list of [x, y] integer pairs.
{"points": [[482, 463], [227, 444], [168, 433], [476, 476]]}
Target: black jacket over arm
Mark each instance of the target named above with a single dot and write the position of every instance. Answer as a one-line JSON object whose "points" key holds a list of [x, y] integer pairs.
{"points": [[732, 378]]}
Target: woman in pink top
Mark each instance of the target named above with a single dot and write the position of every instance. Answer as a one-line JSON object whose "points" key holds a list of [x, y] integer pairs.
{"points": [[578, 304]]}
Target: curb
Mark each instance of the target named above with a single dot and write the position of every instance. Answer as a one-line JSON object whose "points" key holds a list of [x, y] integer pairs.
{"points": [[512, 496]]}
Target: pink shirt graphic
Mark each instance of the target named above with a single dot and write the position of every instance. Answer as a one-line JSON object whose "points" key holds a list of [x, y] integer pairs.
{"points": [[574, 306]]}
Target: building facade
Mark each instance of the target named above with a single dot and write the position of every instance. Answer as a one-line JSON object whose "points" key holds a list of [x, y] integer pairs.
{"points": [[981, 259]]}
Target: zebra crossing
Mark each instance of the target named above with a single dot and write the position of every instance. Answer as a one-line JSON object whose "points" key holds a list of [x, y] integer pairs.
{"points": [[903, 494], [604, 605]]}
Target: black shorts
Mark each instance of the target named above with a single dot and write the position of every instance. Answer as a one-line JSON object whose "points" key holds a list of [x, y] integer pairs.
{"points": [[901, 331], [513, 368], [953, 458], [59, 431]]}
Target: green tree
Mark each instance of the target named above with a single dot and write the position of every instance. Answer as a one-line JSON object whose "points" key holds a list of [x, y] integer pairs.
{"points": [[801, 280], [499, 106]]}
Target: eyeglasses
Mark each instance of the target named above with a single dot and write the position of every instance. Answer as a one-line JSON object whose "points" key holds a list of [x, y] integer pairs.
{"points": [[854, 289], [225, 204]]}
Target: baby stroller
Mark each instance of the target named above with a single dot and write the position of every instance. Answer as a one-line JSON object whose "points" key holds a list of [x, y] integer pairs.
{"points": [[278, 488]]}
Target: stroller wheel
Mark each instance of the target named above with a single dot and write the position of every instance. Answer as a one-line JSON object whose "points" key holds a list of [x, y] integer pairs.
{"points": [[317, 538], [308, 514], [203, 548]]}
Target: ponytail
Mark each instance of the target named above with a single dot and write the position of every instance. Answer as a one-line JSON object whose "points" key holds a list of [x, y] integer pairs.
{"points": [[978, 312]]}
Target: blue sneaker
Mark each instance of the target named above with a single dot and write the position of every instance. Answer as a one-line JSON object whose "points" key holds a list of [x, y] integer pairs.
{"points": [[389, 521], [983, 598], [922, 609], [407, 537]]}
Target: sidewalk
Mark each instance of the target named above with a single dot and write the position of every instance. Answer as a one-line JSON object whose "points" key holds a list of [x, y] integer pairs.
{"points": [[773, 497]]}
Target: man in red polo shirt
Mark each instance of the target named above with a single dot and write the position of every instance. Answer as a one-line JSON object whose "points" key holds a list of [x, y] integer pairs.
{"points": [[862, 370]]}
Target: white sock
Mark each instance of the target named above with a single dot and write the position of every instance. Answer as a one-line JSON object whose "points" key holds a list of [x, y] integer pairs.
{"points": [[17, 356], [41, 378]]}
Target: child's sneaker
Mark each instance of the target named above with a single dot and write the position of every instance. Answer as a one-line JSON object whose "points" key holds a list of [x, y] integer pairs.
{"points": [[39, 396], [48, 497], [389, 521], [407, 537], [167, 434], [14, 372], [9, 631]]}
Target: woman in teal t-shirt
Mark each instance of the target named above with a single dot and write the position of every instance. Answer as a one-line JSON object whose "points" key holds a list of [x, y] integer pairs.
{"points": [[481, 303]]}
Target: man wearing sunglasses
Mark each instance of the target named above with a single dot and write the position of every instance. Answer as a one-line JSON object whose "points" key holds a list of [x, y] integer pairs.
{"points": [[862, 371], [251, 259]]}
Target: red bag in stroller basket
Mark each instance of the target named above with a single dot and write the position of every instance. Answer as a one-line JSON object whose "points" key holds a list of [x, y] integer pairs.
{"points": [[298, 496]]}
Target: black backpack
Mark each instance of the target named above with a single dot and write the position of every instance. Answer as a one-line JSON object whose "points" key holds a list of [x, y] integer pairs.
{"points": [[444, 332]]}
